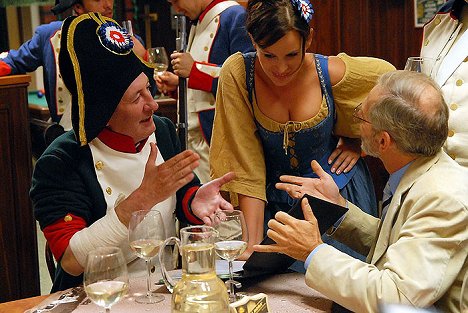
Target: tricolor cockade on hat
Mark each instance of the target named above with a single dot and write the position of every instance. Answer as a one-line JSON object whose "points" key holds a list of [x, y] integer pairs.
{"points": [[97, 64]]}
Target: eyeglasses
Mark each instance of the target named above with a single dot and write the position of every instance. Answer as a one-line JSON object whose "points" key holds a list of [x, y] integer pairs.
{"points": [[358, 115]]}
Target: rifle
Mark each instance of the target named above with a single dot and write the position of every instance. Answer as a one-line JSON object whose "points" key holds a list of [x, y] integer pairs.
{"points": [[182, 120]]}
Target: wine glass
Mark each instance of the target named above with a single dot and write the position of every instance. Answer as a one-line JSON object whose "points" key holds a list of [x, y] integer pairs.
{"points": [[127, 25], [158, 57], [146, 234], [420, 64], [231, 243], [105, 276]]}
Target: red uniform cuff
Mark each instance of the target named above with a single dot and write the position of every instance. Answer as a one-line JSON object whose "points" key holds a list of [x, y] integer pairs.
{"points": [[200, 80], [5, 69], [58, 235], [191, 218]]}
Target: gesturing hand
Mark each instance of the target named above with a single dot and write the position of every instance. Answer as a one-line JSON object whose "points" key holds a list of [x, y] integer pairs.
{"points": [[162, 181], [296, 238], [323, 187], [208, 202]]}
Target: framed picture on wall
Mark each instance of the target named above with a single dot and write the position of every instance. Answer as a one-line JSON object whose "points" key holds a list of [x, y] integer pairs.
{"points": [[424, 10]]}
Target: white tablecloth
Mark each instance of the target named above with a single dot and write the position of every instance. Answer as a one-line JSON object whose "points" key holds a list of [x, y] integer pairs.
{"points": [[287, 293]]}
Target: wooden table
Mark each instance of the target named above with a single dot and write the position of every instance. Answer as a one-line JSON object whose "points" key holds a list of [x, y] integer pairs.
{"points": [[19, 306], [287, 293]]}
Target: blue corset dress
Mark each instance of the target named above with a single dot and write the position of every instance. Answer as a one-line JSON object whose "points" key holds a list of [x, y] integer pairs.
{"points": [[290, 151]]}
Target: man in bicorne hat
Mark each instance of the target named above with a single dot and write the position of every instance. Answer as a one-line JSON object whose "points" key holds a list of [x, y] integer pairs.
{"points": [[119, 157], [43, 49]]}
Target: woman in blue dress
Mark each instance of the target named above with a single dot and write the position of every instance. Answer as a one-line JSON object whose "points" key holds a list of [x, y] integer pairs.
{"points": [[279, 108]]}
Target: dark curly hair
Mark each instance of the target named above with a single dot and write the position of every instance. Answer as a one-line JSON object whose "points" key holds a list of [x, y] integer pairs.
{"points": [[269, 20]]}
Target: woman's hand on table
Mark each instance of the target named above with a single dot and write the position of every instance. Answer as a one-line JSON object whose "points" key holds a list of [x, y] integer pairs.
{"points": [[345, 155]]}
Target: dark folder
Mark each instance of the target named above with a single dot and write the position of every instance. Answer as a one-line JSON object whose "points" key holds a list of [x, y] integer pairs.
{"points": [[261, 263]]}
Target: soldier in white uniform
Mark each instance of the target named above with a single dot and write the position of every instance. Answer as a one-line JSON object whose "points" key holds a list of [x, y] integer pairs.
{"points": [[446, 41], [218, 31]]}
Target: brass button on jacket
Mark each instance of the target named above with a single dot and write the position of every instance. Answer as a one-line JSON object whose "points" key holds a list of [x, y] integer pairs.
{"points": [[99, 165]]}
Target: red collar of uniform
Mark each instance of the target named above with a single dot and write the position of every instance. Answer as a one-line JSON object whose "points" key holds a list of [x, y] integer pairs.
{"points": [[120, 142], [209, 7]]}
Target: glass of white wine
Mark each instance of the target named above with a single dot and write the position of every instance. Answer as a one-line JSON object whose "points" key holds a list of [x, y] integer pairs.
{"points": [[231, 243], [105, 276], [158, 57], [127, 25], [420, 64], [146, 234]]}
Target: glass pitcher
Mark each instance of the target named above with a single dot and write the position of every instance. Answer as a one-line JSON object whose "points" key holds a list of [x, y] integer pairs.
{"points": [[199, 290]]}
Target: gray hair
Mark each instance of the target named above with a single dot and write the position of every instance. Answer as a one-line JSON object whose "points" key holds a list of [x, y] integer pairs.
{"points": [[413, 111]]}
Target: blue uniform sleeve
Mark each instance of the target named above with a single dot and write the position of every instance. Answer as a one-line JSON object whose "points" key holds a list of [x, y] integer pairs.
{"points": [[29, 56], [236, 40]]}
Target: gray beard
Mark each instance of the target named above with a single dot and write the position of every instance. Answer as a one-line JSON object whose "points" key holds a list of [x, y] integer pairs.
{"points": [[369, 151]]}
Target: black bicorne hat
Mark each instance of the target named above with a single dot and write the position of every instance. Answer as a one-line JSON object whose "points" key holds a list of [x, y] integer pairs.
{"points": [[62, 5], [97, 64]]}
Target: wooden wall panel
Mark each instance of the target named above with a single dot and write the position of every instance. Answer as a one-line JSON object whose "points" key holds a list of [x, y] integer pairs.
{"points": [[383, 29], [378, 28]]}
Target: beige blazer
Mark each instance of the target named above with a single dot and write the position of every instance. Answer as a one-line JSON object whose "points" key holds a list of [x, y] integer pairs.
{"points": [[420, 255]]}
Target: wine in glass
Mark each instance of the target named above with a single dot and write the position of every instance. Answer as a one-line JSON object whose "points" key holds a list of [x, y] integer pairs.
{"points": [[146, 234], [420, 64], [127, 25], [105, 276], [158, 57], [231, 243]]}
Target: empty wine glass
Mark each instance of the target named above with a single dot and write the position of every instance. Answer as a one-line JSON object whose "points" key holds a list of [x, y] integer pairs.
{"points": [[158, 57], [146, 234], [127, 25], [420, 64], [231, 243], [105, 276]]}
